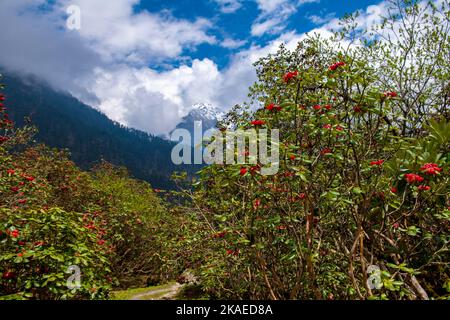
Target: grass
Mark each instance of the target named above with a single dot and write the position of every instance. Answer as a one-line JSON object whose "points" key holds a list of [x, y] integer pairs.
{"points": [[130, 293]]}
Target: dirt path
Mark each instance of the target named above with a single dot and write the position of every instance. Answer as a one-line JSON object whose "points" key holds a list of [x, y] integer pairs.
{"points": [[166, 293]]}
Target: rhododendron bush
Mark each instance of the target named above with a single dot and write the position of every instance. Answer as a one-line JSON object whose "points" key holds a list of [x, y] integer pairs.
{"points": [[360, 207], [53, 216]]}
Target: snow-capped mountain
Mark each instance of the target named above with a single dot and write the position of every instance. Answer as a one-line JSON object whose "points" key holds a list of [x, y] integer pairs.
{"points": [[207, 113]]}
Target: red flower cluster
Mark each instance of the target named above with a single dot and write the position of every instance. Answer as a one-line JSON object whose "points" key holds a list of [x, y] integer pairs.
{"points": [[327, 106], [258, 122], [326, 151], [431, 169], [376, 163], [28, 178], [337, 65], [232, 252], [289, 76], [424, 188], [243, 171], [392, 94], [273, 107], [255, 169], [317, 107], [219, 235], [8, 275], [412, 178], [327, 126], [357, 109], [256, 204], [15, 233]]}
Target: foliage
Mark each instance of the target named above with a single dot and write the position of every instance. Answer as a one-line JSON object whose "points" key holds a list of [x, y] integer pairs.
{"points": [[53, 216], [363, 180]]}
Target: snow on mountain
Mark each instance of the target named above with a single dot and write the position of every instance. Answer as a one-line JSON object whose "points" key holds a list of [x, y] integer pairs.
{"points": [[205, 111]]}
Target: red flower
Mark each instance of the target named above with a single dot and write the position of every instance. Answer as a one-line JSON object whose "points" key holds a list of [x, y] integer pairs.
{"points": [[376, 163], [327, 106], [339, 128], [392, 94], [256, 204], [327, 126], [8, 275], [11, 171], [396, 225], [289, 76], [257, 122], [326, 151], [357, 109], [15, 233], [219, 235], [29, 178], [22, 201], [21, 243], [15, 189], [292, 157], [3, 139], [412, 178], [394, 190], [2, 97], [424, 188], [273, 106], [243, 171], [20, 254], [431, 169], [302, 196], [337, 65], [101, 242], [254, 169], [317, 107]]}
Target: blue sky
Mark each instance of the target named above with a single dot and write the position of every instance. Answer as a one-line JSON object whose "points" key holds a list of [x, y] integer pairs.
{"points": [[145, 63], [237, 24]]}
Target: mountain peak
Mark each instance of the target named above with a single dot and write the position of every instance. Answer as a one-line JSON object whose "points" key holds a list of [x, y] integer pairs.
{"points": [[205, 111]]}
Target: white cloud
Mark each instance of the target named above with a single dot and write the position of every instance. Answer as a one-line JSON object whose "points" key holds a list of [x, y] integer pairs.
{"points": [[30, 43], [114, 30], [106, 65], [275, 15], [228, 6], [232, 43], [321, 19], [150, 100]]}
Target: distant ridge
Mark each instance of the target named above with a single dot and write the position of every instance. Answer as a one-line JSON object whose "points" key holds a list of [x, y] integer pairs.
{"points": [[65, 122]]}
